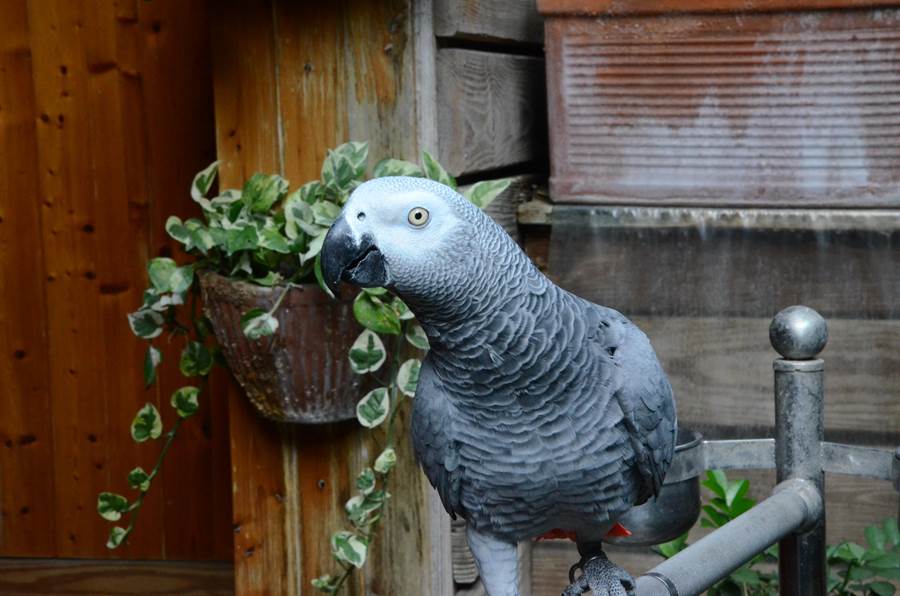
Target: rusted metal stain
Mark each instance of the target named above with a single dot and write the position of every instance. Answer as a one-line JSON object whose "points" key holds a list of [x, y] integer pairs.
{"points": [[301, 374], [771, 109]]}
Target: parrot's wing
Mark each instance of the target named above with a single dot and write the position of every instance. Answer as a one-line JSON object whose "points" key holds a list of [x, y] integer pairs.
{"points": [[436, 452], [644, 396]]}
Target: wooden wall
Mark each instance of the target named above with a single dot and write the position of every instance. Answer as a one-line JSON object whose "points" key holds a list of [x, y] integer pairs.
{"points": [[105, 114], [291, 81], [704, 285]]}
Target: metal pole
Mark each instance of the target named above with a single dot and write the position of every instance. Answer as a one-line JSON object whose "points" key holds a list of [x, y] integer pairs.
{"points": [[793, 505], [799, 333]]}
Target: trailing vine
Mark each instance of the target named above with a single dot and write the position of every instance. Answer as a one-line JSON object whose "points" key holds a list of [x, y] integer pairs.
{"points": [[265, 235]]}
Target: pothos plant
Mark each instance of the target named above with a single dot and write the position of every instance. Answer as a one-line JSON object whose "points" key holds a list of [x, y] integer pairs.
{"points": [[852, 568], [265, 235]]}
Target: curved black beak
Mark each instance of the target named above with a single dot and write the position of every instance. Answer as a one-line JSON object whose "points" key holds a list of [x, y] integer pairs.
{"points": [[343, 259]]}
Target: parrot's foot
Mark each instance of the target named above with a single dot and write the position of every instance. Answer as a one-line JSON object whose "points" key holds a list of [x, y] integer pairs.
{"points": [[599, 576]]}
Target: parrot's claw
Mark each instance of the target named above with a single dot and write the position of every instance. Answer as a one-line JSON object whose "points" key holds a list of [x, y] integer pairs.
{"points": [[601, 577]]}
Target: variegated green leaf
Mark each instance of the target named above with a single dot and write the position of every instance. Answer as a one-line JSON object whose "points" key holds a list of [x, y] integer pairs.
{"points": [[416, 336], [262, 191], [111, 506], [482, 193], [408, 376], [145, 323], [268, 280], [325, 212], [435, 171], [116, 536], [386, 461], [273, 240], [320, 279], [139, 479], [311, 192], [374, 314], [298, 216], [367, 353], [203, 181], [196, 360], [147, 424], [315, 247], [238, 239], [151, 361], [257, 323], [185, 402], [403, 312], [166, 276], [350, 548], [396, 167], [326, 584], [365, 482], [373, 408]]}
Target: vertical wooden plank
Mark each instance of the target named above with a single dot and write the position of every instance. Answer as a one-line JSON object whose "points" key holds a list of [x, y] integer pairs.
{"points": [[378, 64], [181, 141], [346, 72], [312, 90], [91, 210], [27, 516], [495, 20], [340, 72], [247, 141], [244, 90]]}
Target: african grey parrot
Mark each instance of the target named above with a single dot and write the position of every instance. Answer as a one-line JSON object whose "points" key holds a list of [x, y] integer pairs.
{"points": [[535, 410]]}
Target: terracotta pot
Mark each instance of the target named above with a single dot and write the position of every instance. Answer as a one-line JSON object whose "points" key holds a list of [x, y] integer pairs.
{"points": [[302, 373]]}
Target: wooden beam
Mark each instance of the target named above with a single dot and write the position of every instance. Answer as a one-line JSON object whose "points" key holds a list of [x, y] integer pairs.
{"points": [[721, 370], [35, 577], [491, 110], [492, 20], [27, 510], [292, 80], [743, 263]]}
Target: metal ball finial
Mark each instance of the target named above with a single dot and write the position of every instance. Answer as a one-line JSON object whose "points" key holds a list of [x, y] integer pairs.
{"points": [[798, 333]]}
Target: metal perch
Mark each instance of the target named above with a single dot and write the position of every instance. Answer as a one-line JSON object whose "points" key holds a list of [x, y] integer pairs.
{"points": [[794, 515]]}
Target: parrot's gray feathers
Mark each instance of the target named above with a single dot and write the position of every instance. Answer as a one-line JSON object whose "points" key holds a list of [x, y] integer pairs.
{"points": [[535, 409], [431, 436]]}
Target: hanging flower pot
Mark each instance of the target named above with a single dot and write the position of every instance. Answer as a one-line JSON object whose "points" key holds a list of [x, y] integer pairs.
{"points": [[299, 374]]}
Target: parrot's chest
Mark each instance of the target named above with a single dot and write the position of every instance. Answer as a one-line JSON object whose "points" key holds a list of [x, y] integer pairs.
{"points": [[525, 472]]}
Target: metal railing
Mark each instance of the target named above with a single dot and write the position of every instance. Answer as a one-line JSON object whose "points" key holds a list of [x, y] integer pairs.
{"points": [[794, 515]]}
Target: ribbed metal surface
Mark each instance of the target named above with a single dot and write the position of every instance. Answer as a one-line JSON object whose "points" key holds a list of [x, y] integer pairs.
{"points": [[785, 108]]}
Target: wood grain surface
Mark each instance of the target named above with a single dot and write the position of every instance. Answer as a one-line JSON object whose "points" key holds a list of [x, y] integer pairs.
{"points": [[730, 262], [721, 370], [492, 20], [27, 510], [35, 577], [106, 114], [491, 112], [291, 81]]}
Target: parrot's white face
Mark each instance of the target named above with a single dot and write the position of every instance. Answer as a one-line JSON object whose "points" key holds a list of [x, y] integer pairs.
{"points": [[393, 231], [406, 227]]}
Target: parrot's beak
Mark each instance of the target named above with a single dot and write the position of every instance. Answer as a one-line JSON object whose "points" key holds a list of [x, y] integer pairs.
{"points": [[345, 259]]}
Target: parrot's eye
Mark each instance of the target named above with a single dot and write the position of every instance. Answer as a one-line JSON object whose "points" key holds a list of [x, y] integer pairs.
{"points": [[418, 217]]}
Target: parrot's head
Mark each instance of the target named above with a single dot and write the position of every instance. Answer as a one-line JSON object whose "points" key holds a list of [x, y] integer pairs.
{"points": [[411, 235]]}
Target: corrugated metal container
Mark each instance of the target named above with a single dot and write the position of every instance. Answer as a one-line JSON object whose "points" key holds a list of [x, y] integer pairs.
{"points": [[766, 103]]}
